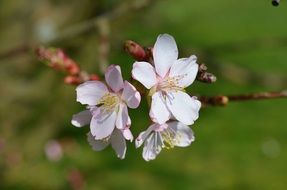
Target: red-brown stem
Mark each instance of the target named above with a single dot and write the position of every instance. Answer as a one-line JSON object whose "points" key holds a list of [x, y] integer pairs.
{"points": [[222, 100]]}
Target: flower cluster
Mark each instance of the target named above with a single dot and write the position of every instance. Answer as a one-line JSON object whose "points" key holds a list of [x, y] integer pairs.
{"points": [[172, 110]]}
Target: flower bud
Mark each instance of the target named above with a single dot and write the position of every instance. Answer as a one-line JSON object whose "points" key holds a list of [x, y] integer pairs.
{"points": [[71, 67], [72, 80], [58, 60], [135, 50], [94, 77]]}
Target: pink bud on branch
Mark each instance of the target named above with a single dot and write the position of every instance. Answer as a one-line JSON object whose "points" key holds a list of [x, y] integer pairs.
{"points": [[135, 50], [204, 76], [58, 60]]}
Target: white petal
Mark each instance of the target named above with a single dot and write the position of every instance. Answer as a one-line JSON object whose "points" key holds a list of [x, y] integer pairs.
{"points": [[149, 151], [118, 143], [158, 111], [184, 108], [114, 78], [143, 135], [144, 73], [186, 69], [122, 117], [90, 92], [128, 134], [130, 95], [97, 145], [184, 133], [165, 53], [103, 124], [81, 119], [129, 122], [159, 142]]}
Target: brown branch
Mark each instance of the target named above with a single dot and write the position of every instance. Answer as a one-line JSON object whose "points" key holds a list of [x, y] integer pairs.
{"points": [[222, 100]]}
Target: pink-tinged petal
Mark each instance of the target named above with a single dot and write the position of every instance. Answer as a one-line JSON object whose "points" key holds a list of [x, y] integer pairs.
{"points": [[118, 143], [196, 104], [97, 145], [130, 95], [165, 53], [185, 69], [184, 108], [184, 134], [143, 135], [81, 119], [122, 117], [144, 73], [128, 134], [114, 78], [129, 122], [150, 150], [103, 124], [159, 113], [91, 92]]}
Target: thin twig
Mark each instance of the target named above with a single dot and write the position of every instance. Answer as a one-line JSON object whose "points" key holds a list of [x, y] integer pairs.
{"points": [[119, 11], [104, 45], [222, 100]]}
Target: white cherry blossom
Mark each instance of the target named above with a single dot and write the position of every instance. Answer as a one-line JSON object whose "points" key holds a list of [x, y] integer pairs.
{"points": [[167, 135], [107, 105], [167, 80]]}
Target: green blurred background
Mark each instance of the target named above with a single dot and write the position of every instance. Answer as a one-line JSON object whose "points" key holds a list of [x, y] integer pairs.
{"points": [[241, 146]]}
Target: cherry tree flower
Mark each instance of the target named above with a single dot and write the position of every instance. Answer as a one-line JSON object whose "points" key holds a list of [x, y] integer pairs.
{"points": [[167, 80], [167, 135], [107, 105], [116, 139]]}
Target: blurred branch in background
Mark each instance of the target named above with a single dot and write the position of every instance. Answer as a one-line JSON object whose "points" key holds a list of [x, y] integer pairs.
{"points": [[80, 28], [119, 11], [24, 48], [104, 44]]}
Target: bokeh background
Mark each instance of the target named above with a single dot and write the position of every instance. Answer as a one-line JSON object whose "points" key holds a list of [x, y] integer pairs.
{"points": [[240, 146]]}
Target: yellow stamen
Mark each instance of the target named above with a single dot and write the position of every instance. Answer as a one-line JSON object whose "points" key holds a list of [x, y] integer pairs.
{"points": [[105, 140], [170, 138], [109, 102], [171, 83]]}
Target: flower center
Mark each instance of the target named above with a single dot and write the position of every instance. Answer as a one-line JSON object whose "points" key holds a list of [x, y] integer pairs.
{"points": [[170, 138], [106, 139], [109, 102], [170, 83]]}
